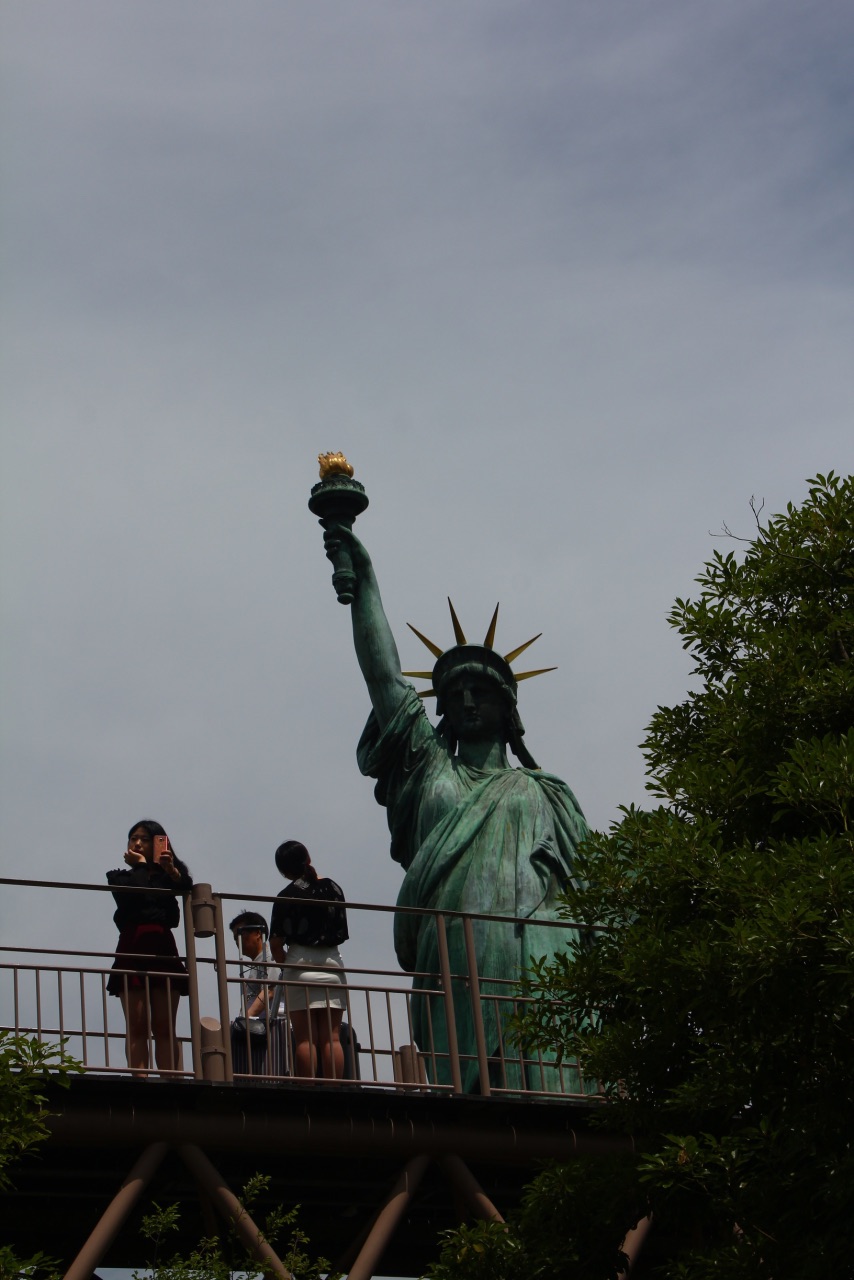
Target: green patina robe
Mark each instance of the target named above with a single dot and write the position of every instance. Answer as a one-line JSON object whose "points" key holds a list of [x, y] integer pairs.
{"points": [[492, 843]]}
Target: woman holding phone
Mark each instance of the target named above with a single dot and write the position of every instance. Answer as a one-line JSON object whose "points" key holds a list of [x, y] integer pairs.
{"points": [[148, 975]]}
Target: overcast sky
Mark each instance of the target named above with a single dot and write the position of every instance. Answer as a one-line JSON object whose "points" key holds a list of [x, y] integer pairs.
{"points": [[567, 281]]}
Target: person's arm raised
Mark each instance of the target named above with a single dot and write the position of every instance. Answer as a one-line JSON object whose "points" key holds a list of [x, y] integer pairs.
{"points": [[375, 646]]}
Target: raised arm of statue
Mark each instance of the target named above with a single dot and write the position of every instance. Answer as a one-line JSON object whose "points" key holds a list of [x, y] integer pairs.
{"points": [[376, 650]]}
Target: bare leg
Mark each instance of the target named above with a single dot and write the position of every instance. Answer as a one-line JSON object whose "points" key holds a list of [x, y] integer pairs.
{"points": [[136, 1019], [326, 1026], [164, 1017], [305, 1048]]}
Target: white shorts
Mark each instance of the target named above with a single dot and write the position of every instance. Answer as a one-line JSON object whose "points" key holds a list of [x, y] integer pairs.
{"points": [[322, 966]]}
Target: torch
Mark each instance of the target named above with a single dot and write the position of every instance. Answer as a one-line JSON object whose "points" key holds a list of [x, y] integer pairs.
{"points": [[336, 502]]}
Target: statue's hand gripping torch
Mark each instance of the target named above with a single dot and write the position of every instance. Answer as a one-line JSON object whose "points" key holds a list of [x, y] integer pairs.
{"points": [[336, 502]]}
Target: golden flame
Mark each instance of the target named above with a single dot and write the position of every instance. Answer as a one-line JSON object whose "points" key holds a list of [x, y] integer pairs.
{"points": [[333, 464]]}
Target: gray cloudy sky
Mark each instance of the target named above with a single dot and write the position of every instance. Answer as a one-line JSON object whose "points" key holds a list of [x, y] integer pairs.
{"points": [[567, 281]]}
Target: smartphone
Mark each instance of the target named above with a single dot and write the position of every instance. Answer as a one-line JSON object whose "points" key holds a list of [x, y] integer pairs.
{"points": [[161, 846]]}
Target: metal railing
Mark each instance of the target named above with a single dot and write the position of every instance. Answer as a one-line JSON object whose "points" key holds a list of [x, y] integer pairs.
{"points": [[441, 1029]]}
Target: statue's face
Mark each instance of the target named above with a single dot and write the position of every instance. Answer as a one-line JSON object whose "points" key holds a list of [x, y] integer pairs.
{"points": [[476, 709]]}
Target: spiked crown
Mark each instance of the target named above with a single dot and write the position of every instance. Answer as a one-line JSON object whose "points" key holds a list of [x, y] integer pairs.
{"points": [[478, 659]]}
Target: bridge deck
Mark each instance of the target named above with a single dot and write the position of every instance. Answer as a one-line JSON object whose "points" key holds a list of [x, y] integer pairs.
{"points": [[336, 1151]]}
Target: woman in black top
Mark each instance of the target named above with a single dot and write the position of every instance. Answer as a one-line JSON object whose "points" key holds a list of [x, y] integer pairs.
{"points": [[148, 975], [309, 920]]}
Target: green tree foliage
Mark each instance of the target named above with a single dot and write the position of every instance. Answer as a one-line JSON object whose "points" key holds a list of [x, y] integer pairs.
{"points": [[223, 1258], [719, 991], [25, 1067], [557, 1233]]}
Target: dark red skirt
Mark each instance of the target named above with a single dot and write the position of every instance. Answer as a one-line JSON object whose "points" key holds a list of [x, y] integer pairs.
{"points": [[147, 949]]}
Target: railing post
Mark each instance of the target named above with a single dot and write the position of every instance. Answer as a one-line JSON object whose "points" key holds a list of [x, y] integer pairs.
{"points": [[203, 907], [203, 920], [222, 987], [193, 974], [450, 1017], [409, 1065], [213, 1049], [476, 1010]]}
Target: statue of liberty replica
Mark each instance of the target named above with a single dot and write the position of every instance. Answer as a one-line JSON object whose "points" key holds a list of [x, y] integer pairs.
{"points": [[472, 833]]}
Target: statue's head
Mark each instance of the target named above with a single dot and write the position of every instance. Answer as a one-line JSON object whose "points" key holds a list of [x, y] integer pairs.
{"points": [[477, 672], [475, 662], [474, 697]]}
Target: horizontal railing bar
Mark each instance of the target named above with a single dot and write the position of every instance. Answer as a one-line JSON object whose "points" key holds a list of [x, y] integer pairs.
{"points": [[76, 884], [350, 906], [208, 960], [432, 911], [293, 982]]}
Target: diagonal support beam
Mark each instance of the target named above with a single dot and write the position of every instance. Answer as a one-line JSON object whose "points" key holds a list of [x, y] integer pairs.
{"points": [[387, 1219], [215, 1186], [466, 1184], [633, 1243], [115, 1215]]}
